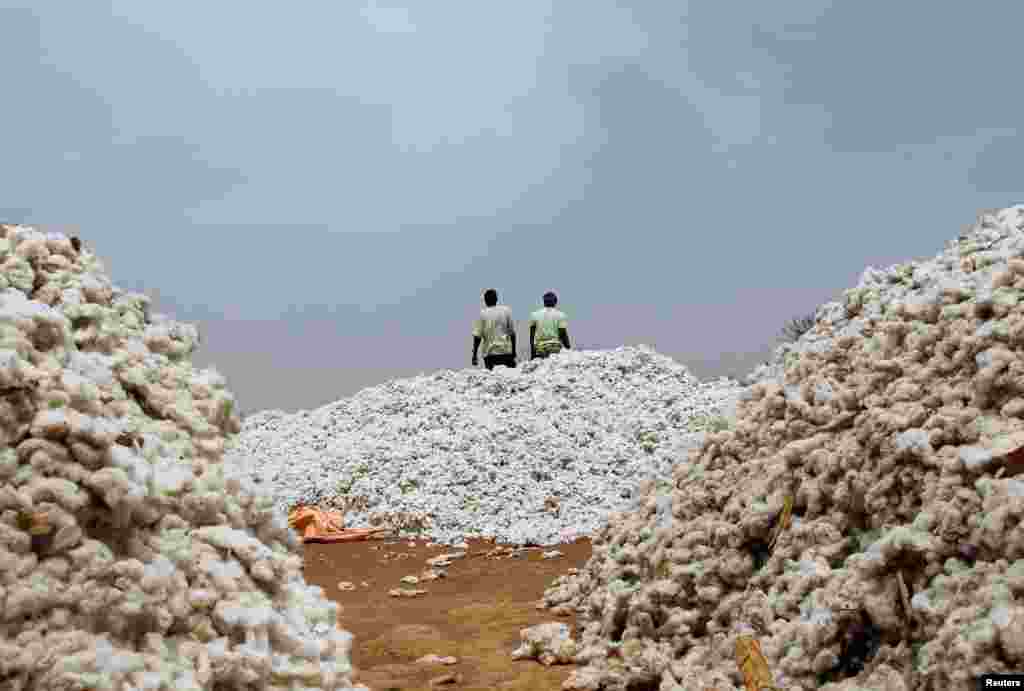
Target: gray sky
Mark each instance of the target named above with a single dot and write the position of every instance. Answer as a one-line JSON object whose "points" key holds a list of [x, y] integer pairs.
{"points": [[326, 188]]}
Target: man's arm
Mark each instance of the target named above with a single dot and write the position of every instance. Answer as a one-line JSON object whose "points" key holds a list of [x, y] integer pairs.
{"points": [[533, 336], [511, 326], [476, 346], [563, 334]]}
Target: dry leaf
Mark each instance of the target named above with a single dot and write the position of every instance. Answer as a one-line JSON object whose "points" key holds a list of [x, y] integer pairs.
{"points": [[785, 518], [753, 665], [905, 597], [35, 522]]}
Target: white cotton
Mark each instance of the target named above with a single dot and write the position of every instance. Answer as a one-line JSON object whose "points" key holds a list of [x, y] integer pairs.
{"points": [[484, 452], [975, 457], [217, 648], [170, 478], [913, 439], [1001, 615], [820, 617], [135, 466], [161, 568], [227, 570]]}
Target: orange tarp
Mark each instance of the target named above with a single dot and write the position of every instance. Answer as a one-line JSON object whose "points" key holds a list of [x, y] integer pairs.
{"points": [[318, 525]]}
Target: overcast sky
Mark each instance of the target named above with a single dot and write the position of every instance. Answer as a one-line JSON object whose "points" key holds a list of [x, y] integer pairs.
{"points": [[328, 187]]}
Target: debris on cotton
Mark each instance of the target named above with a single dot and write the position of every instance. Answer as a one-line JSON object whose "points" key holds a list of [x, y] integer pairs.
{"points": [[541, 454], [434, 659], [127, 558], [406, 592], [549, 644], [888, 429]]}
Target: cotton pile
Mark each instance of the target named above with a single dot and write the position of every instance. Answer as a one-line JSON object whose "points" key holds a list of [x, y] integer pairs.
{"points": [[538, 454], [127, 559], [894, 427], [966, 266]]}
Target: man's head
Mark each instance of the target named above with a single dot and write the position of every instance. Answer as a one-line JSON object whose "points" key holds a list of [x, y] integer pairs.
{"points": [[490, 297], [550, 299]]}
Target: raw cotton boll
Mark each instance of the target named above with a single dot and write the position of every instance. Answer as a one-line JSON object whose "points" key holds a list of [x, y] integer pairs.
{"points": [[97, 431], [15, 419], [915, 442], [1004, 278], [59, 244], [48, 294], [211, 448], [1014, 408], [96, 290], [31, 246], [18, 273], [64, 493], [904, 391], [984, 305], [1009, 623], [171, 339], [927, 313], [1001, 356], [894, 334], [1016, 265], [1004, 301], [52, 424], [89, 456], [70, 296], [79, 388]]}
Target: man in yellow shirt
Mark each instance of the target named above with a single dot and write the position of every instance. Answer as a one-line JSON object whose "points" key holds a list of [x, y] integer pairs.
{"points": [[495, 332], [549, 329]]}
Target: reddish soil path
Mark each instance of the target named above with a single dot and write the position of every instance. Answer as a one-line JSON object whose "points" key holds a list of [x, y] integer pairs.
{"points": [[474, 613]]}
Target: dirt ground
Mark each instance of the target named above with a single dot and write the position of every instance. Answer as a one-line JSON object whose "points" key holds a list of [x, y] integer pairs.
{"points": [[474, 613]]}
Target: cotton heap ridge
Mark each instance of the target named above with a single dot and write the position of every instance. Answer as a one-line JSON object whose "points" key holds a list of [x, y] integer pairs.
{"points": [[895, 431], [127, 559], [538, 454]]}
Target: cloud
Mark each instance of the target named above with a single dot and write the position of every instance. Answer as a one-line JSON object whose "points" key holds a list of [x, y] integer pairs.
{"points": [[344, 178], [78, 160], [1000, 151], [388, 20], [902, 74]]}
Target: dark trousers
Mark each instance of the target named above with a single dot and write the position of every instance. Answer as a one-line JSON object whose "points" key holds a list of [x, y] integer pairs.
{"points": [[509, 360]]}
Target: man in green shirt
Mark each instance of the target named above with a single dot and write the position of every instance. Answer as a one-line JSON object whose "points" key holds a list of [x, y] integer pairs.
{"points": [[549, 329], [495, 332]]}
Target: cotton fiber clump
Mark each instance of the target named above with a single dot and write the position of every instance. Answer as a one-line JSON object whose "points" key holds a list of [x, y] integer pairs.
{"points": [[549, 644], [127, 559], [541, 453], [894, 427]]}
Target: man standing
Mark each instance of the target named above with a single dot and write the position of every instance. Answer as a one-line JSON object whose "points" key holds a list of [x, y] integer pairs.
{"points": [[549, 329], [495, 331]]}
